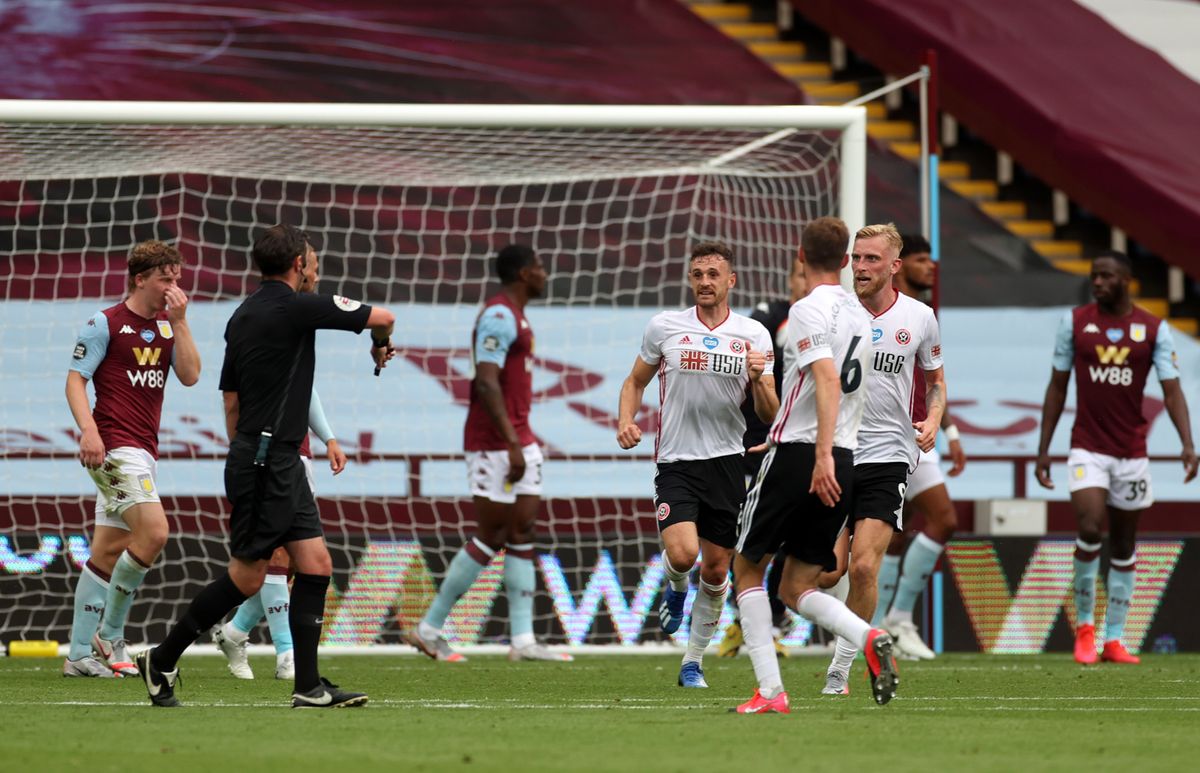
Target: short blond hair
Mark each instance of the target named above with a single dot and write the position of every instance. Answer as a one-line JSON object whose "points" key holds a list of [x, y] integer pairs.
{"points": [[887, 230]]}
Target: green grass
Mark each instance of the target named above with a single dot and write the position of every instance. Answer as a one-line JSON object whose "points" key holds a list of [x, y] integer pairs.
{"points": [[618, 713]]}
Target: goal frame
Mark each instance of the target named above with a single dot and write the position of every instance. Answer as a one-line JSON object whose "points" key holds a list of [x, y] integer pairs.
{"points": [[851, 122]]}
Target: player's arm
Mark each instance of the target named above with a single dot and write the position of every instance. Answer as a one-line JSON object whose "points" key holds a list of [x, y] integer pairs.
{"points": [[958, 457], [232, 412], [90, 348], [1056, 395], [629, 434], [829, 394], [380, 322], [495, 333], [91, 447], [185, 357], [320, 425], [1167, 368], [935, 407], [760, 366]]}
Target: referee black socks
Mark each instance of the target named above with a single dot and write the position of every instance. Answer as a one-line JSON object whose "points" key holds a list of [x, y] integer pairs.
{"points": [[206, 610], [306, 616]]}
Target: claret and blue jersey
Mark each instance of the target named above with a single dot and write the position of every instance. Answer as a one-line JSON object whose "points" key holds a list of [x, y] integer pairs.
{"points": [[502, 337]]}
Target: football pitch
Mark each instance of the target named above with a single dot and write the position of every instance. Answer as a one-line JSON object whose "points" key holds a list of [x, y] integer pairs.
{"points": [[619, 713]]}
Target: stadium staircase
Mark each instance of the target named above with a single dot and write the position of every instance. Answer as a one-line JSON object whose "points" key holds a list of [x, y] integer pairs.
{"points": [[980, 174]]}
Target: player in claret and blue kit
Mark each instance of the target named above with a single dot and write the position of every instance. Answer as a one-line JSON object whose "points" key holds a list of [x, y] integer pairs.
{"points": [[504, 464], [1111, 345], [125, 351]]}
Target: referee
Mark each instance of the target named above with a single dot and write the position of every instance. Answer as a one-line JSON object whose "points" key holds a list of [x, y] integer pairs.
{"points": [[267, 377]]}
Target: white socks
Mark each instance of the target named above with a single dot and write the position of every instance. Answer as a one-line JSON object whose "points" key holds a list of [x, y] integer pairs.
{"points": [[833, 616], [706, 613], [755, 610]]}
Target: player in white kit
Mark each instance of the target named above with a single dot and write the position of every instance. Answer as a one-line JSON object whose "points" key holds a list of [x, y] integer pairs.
{"points": [[904, 334], [705, 357], [803, 492]]}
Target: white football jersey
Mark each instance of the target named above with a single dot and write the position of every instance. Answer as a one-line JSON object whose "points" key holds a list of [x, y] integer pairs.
{"points": [[702, 382], [828, 323], [903, 336]]}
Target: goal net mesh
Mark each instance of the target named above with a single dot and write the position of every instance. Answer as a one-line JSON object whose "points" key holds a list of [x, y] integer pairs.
{"points": [[410, 218]]}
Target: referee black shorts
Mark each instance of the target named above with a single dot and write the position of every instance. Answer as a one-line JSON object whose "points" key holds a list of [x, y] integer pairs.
{"points": [[706, 492], [272, 505], [781, 514], [879, 492]]}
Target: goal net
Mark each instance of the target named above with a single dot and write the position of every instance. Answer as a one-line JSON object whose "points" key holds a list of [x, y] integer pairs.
{"points": [[407, 205]]}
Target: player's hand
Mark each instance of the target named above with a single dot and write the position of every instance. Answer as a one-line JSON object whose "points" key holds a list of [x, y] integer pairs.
{"points": [[824, 481], [958, 458], [1042, 471], [381, 355], [335, 455], [1189, 463], [516, 463], [756, 362], [177, 302], [926, 434], [91, 449], [629, 435], [761, 448]]}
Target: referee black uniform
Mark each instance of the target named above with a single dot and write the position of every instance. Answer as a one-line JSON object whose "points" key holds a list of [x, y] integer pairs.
{"points": [[269, 336]]}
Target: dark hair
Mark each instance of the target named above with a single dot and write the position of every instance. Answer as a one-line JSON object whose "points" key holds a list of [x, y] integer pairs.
{"points": [[824, 242], [149, 255], [704, 249], [1120, 258], [276, 248], [510, 261], [914, 244]]}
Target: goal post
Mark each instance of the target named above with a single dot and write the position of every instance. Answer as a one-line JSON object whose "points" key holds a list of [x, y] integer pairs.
{"points": [[408, 205]]}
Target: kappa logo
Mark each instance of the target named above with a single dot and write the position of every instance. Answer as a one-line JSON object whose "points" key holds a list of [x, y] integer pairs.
{"points": [[126, 330], [903, 337], [147, 335], [664, 511], [1091, 328], [736, 347], [710, 342]]}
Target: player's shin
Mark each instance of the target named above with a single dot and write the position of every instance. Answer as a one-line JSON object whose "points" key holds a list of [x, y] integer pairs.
{"points": [[206, 610], [306, 617], [1087, 566], [1121, 578], [127, 577], [276, 607], [889, 576], [706, 614], [919, 561], [833, 616], [755, 609], [90, 594], [464, 568], [520, 582], [248, 615]]}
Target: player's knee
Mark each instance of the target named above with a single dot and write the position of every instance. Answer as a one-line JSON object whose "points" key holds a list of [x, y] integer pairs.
{"points": [[1090, 533], [942, 528], [682, 557], [150, 542], [863, 570]]}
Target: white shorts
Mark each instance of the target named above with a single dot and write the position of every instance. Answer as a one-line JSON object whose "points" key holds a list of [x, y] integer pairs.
{"points": [[1126, 480], [308, 473], [927, 475], [126, 478], [487, 470]]}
